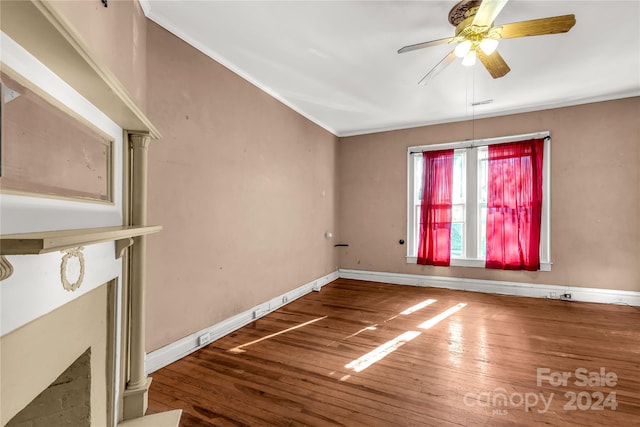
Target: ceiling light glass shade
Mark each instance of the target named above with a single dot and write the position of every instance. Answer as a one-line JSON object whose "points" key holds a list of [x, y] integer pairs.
{"points": [[462, 49], [469, 59], [488, 46]]}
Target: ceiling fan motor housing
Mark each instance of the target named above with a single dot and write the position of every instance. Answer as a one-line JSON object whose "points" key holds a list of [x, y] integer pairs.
{"points": [[477, 37], [463, 10]]}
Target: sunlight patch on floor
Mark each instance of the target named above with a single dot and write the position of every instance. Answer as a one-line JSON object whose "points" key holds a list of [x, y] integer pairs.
{"points": [[240, 348], [368, 328], [456, 343], [418, 306], [406, 312], [381, 352], [440, 317]]}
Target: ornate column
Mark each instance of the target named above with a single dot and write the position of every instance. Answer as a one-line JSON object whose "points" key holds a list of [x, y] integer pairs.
{"points": [[136, 392]]}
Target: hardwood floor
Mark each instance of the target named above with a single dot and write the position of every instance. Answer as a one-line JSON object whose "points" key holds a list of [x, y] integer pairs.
{"points": [[498, 360]]}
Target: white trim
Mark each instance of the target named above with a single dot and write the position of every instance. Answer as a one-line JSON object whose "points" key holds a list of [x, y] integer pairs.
{"points": [[472, 220], [147, 7], [411, 240], [34, 290], [508, 112], [470, 242], [25, 213], [606, 296], [545, 220], [170, 353], [478, 142], [474, 263], [28, 66]]}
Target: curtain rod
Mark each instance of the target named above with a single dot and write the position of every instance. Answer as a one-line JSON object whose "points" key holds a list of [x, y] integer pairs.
{"points": [[479, 142]]}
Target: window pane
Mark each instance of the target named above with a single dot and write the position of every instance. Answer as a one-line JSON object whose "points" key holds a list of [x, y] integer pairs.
{"points": [[483, 154], [482, 241], [417, 178], [416, 229], [457, 248], [458, 199], [458, 177], [482, 174]]}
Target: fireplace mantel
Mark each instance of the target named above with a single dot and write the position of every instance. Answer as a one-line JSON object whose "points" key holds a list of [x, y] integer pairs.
{"points": [[45, 33], [50, 241]]}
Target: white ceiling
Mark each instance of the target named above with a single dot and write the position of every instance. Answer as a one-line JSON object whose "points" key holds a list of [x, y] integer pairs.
{"points": [[335, 62]]}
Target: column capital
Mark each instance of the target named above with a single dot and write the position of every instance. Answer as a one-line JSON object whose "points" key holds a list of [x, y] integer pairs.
{"points": [[139, 140]]}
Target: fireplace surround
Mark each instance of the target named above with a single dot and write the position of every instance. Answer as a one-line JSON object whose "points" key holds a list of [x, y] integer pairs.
{"points": [[72, 272], [67, 400], [36, 357]]}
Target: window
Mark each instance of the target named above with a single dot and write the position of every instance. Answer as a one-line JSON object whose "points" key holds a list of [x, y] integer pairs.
{"points": [[469, 200]]}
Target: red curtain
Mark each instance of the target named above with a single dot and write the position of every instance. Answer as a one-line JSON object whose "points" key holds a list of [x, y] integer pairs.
{"points": [[514, 205], [434, 242]]}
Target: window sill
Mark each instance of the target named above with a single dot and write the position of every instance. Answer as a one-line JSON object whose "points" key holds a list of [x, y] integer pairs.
{"points": [[475, 263]]}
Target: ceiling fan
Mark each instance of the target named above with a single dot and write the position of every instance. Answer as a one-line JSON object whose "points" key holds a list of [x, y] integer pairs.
{"points": [[476, 35]]}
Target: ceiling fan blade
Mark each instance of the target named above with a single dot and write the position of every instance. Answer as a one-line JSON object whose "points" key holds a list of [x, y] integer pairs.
{"points": [[494, 63], [424, 44], [537, 27], [487, 12], [439, 67]]}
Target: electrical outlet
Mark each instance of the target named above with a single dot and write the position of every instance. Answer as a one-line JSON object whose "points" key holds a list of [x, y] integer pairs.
{"points": [[260, 311], [552, 295], [285, 299], [204, 338]]}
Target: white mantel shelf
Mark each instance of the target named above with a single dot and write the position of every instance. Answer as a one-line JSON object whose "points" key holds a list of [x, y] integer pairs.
{"points": [[42, 242], [51, 241]]}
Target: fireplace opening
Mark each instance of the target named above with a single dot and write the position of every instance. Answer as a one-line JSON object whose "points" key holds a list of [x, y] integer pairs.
{"points": [[66, 402]]}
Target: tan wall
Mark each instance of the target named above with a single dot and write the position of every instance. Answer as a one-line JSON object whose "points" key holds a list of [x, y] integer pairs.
{"points": [[595, 195], [117, 35], [244, 187]]}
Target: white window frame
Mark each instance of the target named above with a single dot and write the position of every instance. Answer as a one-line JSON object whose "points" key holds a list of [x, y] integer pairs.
{"points": [[471, 203]]}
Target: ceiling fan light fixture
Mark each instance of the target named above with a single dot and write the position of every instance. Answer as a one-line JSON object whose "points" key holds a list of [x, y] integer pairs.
{"points": [[476, 35], [463, 48], [488, 46], [469, 59]]}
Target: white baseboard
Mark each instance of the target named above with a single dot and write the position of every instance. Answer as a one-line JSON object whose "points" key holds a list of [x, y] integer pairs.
{"points": [[607, 296], [170, 353], [178, 349]]}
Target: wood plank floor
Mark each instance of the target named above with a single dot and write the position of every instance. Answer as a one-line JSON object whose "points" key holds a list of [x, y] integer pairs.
{"points": [[498, 360]]}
